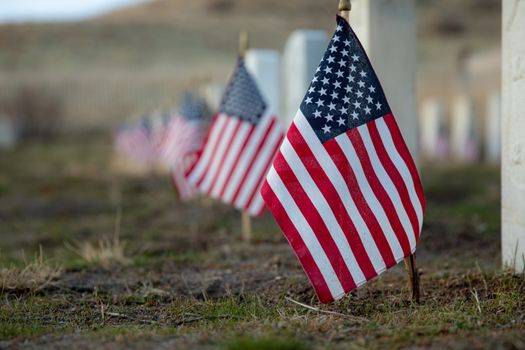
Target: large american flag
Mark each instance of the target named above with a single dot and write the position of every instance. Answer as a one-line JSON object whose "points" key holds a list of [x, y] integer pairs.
{"points": [[240, 146], [343, 187], [183, 138]]}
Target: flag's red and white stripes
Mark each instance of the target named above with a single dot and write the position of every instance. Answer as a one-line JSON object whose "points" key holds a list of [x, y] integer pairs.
{"points": [[351, 207], [134, 143], [235, 159], [182, 139]]}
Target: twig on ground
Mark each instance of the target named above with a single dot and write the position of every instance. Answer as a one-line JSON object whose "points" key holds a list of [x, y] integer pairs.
{"points": [[356, 319], [116, 314], [196, 318]]}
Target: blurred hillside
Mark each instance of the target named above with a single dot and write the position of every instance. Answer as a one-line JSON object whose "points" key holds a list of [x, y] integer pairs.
{"points": [[101, 71]]}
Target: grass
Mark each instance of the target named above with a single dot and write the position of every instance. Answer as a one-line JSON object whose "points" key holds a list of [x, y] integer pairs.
{"points": [[36, 275], [251, 321], [266, 344], [127, 289], [107, 252]]}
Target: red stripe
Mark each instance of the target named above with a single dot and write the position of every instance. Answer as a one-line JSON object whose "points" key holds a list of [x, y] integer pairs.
{"points": [[296, 242], [248, 169], [333, 199], [407, 157], [339, 158], [225, 153], [236, 161], [214, 151], [265, 171], [191, 167], [394, 174], [379, 190], [204, 144], [310, 213]]}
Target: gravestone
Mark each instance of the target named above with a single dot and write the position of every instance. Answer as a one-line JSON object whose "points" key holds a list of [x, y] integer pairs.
{"points": [[212, 94], [464, 138], [493, 128], [513, 135], [433, 129], [302, 54], [264, 65], [8, 134], [387, 30]]}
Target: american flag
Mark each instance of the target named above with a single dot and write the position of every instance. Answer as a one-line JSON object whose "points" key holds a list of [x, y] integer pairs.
{"points": [[343, 187], [160, 122], [240, 146], [134, 142], [183, 138]]}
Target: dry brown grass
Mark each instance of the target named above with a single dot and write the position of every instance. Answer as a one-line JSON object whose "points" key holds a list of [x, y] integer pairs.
{"points": [[106, 252], [34, 276]]}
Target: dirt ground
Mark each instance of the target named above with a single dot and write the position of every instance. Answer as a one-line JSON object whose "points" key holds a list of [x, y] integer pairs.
{"points": [[185, 280]]}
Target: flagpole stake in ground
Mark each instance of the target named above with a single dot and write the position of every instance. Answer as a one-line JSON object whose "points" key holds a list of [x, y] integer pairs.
{"points": [[413, 277], [246, 223], [345, 6]]}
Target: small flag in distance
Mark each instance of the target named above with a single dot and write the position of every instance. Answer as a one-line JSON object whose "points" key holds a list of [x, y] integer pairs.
{"points": [[240, 146], [183, 139]]}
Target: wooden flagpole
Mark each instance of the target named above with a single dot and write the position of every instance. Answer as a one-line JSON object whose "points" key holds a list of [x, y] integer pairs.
{"points": [[345, 6], [246, 222]]}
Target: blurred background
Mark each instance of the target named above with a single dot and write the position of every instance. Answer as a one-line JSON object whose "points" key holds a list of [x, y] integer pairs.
{"points": [[88, 65]]}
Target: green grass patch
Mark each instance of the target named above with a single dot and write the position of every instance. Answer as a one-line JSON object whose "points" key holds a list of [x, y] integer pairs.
{"points": [[266, 344]]}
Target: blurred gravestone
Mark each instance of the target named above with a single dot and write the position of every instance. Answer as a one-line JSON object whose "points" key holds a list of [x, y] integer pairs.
{"points": [[513, 135], [433, 129], [302, 54], [264, 65], [8, 133], [493, 128], [464, 135], [387, 30], [212, 93]]}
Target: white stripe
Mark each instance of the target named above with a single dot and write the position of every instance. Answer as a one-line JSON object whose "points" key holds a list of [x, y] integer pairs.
{"points": [[388, 185], [369, 195], [221, 149], [257, 204], [339, 183], [246, 157], [401, 166], [306, 233], [324, 210], [203, 161], [243, 131], [256, 172]]}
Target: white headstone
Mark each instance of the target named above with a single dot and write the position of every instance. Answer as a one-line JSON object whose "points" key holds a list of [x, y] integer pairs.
{"points": [[302, 54], [8, 133], [464, 133], [212, 93], [433, 129], [387, 30], [513, 135], [265, 65], [493, 128]]}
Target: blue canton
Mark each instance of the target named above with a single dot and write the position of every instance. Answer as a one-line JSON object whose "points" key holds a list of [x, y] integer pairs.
{"points": [[242, 98], [146, 124], [192, 108], [345, 92]]}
